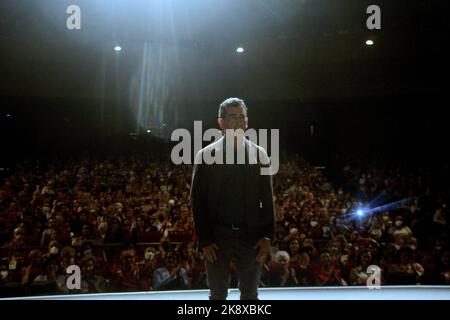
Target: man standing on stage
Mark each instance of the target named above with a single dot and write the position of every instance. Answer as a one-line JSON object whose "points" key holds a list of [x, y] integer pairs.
{"points": [[233, 206]]}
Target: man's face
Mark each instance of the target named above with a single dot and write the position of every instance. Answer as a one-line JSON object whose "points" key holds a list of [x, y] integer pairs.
{"points": [[325, 258], [128, 257], [235, 118], [52, 267], [64, 263], [354, 236], [18, 234], [51, 223], [282, 261], [89, 267], [171, 262], [85, 231], [294, 246], [404, 258], [365, 258]]}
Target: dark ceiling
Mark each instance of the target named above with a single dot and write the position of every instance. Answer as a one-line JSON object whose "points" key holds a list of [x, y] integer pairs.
{"points": [[66, 89], [186, 49]]}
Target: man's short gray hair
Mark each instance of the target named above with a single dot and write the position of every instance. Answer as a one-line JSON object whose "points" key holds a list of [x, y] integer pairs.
{"points": [[231, 102]]}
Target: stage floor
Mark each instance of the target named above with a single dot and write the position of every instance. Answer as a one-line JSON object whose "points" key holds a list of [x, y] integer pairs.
{"points": [[303, 293]]}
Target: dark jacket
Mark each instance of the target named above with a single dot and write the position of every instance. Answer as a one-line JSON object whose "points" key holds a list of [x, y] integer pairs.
{"points": [[206, 190]]}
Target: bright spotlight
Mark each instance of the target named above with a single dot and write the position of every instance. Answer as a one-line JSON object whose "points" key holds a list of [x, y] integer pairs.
{"points": [[369, 42], [240, 50], [360, 212], [117, 48]]}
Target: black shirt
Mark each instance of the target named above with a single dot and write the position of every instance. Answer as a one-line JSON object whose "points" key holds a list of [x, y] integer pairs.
{"points": [[232, 188]]}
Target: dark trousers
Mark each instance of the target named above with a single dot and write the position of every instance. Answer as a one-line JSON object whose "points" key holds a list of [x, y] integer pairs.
{"points": [[233, 245]]}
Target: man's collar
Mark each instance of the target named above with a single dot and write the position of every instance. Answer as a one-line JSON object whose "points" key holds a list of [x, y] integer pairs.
{"points": [[242, 141]]}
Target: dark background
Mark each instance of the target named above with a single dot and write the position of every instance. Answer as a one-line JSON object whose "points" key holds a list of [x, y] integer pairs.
{"points": [[67, 92]]}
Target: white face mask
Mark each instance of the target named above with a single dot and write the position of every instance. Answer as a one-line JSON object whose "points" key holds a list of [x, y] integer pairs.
{"points": [[149, 256], [13, 265], [398, 223], [313, 223], [385, 218], [54, 250], [4, 274], [413, 247]]}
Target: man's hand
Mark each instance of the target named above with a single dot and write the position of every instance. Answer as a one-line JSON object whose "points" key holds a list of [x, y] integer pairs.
{"points": [[264, 249], [209, 252]]}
